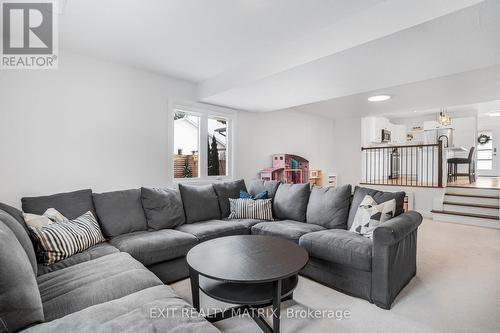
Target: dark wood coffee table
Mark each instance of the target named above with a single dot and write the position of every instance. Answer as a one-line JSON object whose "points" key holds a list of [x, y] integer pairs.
{"points": [[250, 270]]}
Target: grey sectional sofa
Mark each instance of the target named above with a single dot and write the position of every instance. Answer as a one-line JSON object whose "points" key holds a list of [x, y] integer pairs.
{"points": [[113, 285]]}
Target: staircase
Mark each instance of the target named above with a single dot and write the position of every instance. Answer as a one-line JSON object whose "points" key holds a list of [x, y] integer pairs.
{"points": [[469, 205]]}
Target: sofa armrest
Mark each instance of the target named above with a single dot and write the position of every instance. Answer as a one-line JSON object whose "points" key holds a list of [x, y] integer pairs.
{"points": [[396, 229], [394, 258]]}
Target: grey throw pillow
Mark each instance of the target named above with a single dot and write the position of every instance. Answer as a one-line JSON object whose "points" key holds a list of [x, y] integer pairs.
{"points": [[163, 207], [290, 202], [378, 196], [226, 191], [200, 202], [20, 301], [70, 204], [120, 212], [257, 186], [329, 207]]}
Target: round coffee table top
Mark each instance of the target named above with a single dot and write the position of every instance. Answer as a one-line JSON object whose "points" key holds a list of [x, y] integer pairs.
{"points": [[247, 258]]}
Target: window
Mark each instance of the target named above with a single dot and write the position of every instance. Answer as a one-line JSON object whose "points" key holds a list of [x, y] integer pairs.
{"points": [[485, 153], [186, 147], [217, 147], [201, 143]]}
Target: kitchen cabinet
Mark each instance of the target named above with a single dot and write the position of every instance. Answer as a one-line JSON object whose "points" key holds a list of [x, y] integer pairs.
{"points": [[371, 130], [398, 133]]}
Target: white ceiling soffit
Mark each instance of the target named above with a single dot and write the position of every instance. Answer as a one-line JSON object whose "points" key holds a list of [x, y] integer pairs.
{"points": [[459, 89], [391, 43], [193, 39]]}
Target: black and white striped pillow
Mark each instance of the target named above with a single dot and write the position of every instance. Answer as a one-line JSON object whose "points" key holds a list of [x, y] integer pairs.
{"points": [[60, 240], [251, 209]]}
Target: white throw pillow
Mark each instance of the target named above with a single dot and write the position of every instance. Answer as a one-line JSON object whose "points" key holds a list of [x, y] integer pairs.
{"points": [[51, 215], [54, 215], [370, 215], [36, 221]]}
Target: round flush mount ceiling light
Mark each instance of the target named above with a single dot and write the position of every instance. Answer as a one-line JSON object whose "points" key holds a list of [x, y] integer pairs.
{"points": [[379, 98]]}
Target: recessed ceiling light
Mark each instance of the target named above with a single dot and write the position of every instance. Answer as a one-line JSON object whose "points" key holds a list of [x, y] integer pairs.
{"points": [[379, 98], [494, 114]]}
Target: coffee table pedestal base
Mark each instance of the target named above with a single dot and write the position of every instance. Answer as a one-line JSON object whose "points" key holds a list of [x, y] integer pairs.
{"points": [[251, 296]]}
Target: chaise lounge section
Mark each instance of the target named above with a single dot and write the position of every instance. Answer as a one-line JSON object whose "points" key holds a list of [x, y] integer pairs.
{"points": [[149, 232]]}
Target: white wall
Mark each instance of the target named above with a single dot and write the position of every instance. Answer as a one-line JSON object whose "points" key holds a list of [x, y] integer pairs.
{"points": [[465, 133], [89, 124], [260, 135], [95, 124], [347, 150]]}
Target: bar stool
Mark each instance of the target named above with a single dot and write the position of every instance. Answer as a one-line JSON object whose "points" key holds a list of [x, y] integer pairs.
{"points": [[453, 167]]}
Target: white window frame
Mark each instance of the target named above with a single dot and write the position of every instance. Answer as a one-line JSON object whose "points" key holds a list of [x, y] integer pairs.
{"points": [[204, 111], [492, 153]]}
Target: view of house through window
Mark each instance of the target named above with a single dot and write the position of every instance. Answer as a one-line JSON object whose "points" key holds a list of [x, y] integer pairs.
{"points": [[192, 129], [217, 147], [186, 140]]}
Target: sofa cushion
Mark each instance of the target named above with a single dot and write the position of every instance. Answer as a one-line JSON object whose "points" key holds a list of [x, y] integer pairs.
{"points": [[226, 191], [378, 196], [290, 202], [22, 237], [163, 207], [200, 202], [92, 282], [120, 212], [15, 213], [70, 204], [261, 195], [339, 246], [329, 207], [138, 312], [151, 247], [93, 252], [258, 186], [20, 302], [291, 230], [213, 228], [248, 223]]}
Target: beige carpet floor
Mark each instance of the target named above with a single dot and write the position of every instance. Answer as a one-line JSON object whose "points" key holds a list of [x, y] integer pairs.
{"points": [[457, 289]]}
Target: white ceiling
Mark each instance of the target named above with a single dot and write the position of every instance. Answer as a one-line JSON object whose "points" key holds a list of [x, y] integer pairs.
{"points": [[320, 56]]}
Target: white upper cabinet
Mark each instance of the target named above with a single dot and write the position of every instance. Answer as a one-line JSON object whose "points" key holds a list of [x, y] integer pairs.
{"points": [[371, 130]]}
